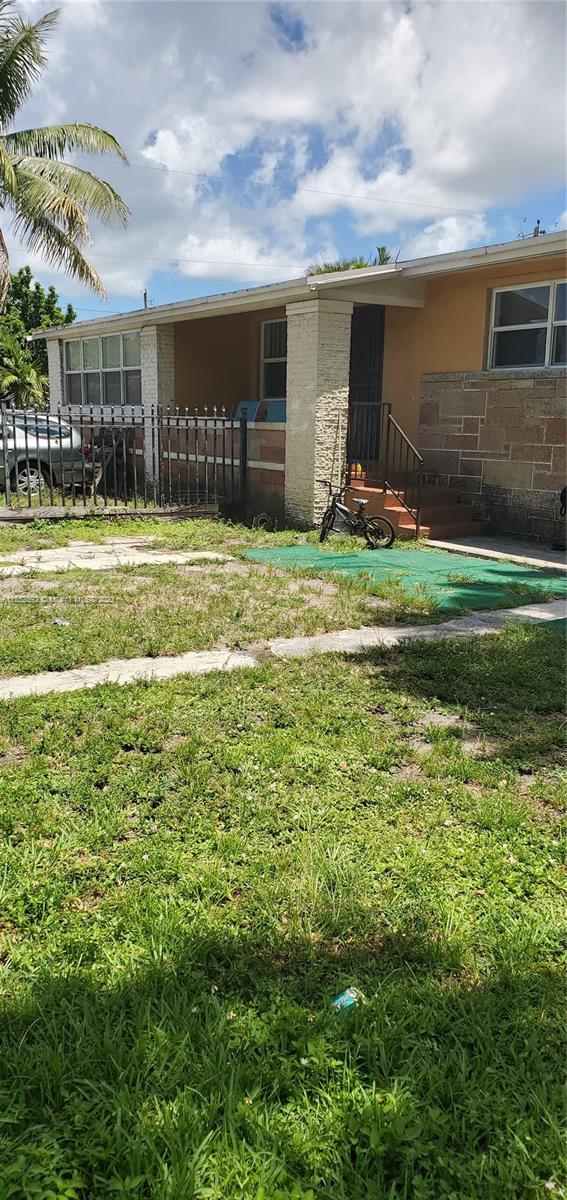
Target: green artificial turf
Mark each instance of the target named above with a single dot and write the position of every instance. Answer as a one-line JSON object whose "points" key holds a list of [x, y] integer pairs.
{"points": [[452, 581]]}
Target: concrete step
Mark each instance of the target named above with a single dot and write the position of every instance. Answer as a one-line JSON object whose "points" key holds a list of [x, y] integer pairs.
{"points": [[442, 515], [406, 529]]}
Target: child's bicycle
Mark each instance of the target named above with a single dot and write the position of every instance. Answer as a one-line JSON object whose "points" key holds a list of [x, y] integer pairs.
{"points": [[378, 531]]}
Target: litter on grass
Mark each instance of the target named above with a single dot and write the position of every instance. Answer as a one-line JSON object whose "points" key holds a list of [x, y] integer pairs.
{"points": [[347, 999]]}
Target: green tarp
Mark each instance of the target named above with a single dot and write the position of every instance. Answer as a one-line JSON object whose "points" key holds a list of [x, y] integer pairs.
{"points": [[454, 581]]}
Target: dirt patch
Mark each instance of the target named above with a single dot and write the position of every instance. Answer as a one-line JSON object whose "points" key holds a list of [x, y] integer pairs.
{"points": [[234, 567], [174, 740], [419, 745], [16, 754], [318, 587], [86, 903], [439, 720], [133, 582], [479, 746], [407, 771], [23, 585]]}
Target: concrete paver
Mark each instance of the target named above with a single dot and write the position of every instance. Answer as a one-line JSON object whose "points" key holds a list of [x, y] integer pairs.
{"points": [[115, 552], [346, 641]]}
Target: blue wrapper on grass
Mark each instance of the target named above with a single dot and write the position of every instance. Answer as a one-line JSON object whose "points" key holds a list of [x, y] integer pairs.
{"points": [[347, 999]]}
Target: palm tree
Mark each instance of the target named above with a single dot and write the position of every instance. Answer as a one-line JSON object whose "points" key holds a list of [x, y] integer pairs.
{"points": [[51, 200], [20, 383], [379, 259]]}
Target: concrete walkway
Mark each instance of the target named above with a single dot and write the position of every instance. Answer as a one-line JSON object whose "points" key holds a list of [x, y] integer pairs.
{"points": [[506, 549], [91, 556], [346, 641]]}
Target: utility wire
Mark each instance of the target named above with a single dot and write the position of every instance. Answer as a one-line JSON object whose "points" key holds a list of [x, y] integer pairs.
{"points": [[467, 212]]}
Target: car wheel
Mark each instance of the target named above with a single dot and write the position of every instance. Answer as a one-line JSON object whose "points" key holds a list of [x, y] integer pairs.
{"points": [[29, 479]]}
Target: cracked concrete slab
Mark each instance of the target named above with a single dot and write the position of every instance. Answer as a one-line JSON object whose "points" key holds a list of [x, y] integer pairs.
{"points": [[196, 662], [115, 553]]}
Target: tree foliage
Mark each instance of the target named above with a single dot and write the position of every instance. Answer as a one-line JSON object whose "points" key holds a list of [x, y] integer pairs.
{"points": [[20, 383], [50, 200], [29, 307], [328, 266]]}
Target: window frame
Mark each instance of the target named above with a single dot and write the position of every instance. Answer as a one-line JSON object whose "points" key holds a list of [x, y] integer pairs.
{"points": [[101, 371], [277, 359], [550, 326]]}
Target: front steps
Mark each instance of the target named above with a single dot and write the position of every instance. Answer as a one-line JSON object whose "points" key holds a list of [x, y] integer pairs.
{"points": [[442, 514]]}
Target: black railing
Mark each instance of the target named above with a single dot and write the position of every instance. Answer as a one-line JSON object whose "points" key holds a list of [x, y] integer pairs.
{"points": [[132, 458], [379, 454]]}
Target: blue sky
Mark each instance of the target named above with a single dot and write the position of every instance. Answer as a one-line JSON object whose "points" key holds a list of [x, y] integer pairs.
{"points": [[262, 137]]}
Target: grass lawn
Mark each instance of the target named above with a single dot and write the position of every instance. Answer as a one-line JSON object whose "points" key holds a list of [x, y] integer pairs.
{"points": [[168, 609], [196, 534], [193, 870]]}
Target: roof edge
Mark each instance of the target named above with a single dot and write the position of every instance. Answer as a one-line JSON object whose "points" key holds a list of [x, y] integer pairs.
{"points": [[303, 287]]}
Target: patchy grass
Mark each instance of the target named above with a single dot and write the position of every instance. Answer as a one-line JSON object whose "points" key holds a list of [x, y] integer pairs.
{"points": [[193, 534], [178, 534], [169, 609], [192, 870]]}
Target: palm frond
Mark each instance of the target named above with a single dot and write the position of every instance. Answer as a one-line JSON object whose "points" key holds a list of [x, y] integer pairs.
{"points": [[94, 195], [8, 185], [51, 141], [21, 58], [43, 236], [41, 198]]}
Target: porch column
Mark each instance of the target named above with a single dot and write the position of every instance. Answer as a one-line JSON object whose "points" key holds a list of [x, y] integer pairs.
{"points": [[158, 380], [55, 370], [318, 359]]}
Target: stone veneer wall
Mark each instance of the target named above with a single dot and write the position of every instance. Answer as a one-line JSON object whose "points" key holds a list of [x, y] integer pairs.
{"points": [[499, 439], [318, 357]]}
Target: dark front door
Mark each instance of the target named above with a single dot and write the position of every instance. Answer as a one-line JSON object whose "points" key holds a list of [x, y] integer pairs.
{"points": [[365, 383]]}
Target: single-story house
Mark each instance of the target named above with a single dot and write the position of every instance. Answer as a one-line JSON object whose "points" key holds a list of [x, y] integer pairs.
{"points": [[447, 370]]}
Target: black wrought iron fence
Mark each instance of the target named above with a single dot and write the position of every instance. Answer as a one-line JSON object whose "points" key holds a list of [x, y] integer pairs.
{"points": [[122, 457]]}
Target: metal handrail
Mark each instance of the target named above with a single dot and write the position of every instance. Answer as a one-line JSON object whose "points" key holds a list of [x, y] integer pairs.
{"points": [[405, 438], [393, 453]]}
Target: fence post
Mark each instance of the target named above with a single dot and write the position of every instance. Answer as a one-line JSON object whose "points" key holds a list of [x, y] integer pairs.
{"points": [[243, 461], [4, 434]]}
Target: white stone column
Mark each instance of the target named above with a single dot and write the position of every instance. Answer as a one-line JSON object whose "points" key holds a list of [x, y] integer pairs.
{"points": [[318, 360], [55, 370], [158, 383]]}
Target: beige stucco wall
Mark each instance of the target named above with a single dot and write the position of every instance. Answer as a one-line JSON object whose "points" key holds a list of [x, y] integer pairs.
{"points": [[217, 360], [450, 332]]}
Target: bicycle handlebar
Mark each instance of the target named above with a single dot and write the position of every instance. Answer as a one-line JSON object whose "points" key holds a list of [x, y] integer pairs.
{"points": [[347, 487]]}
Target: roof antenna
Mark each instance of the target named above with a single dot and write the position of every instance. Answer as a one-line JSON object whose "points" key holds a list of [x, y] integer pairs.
{"points": [[398, 252], [145, 295]]}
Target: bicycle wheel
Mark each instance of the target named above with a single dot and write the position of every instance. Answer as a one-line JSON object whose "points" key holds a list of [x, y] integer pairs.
{"points": [[379, 533], [327, 523]]}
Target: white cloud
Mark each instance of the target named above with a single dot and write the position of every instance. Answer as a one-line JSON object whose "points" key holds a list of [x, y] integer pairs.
{"points": [[450, 233], [449, 105]]}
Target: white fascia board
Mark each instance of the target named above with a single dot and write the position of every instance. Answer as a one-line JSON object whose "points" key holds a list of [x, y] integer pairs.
{"points": [[267, 296], [480, 256]]}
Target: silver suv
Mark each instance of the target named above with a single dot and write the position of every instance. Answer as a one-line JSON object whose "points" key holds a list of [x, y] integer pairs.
{"points": [[39, 452]]}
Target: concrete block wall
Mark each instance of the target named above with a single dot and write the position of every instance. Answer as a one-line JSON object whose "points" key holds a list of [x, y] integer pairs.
{"points": [[318, 358], [158, 366], [499, 439]]}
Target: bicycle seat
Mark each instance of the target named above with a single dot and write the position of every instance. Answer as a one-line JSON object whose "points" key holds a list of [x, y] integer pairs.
{"points": [[362, 503]]}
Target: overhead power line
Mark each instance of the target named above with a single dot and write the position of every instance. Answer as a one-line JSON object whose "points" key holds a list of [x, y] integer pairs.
{"points": [[172, 258], [467, 212]]}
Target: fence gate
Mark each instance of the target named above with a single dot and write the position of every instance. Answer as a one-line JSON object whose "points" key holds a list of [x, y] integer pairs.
{"points": [[122, 458]]}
